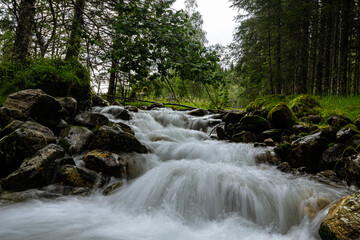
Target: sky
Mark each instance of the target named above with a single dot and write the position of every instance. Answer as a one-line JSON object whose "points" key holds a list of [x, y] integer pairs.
{"points": [[218, 19]]}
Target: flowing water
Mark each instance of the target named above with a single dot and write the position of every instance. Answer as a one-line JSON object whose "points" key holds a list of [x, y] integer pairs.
{"points": [[192, 187]]}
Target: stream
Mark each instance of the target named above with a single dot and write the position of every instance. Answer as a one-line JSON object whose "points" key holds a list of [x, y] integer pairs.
{"points": [[193, 187]]}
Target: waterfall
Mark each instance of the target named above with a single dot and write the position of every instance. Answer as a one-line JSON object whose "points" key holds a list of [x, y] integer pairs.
{"points": [[193, 187]]}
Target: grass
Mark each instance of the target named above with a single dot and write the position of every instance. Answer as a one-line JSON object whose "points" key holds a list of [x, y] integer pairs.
{"points": [[347, 106]]}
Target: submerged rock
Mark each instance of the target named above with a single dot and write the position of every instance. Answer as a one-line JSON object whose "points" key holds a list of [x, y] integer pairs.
{"points": [[343, 219], [15, 147], [81, 177], [112, 188], [75, 139], [35, 172]]}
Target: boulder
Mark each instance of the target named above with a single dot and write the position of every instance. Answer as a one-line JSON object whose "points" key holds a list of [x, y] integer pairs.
{"points": [[198, 112], [253, 124], [281, 117], [305, 105], [331, 156], [155, 105], [244, 137], [23, 100], [16, 124], [328, 177], [7, 115], [352, 170], [357, 123], [343, 219], [329, 132], [118, 112], [221, 134], [283, 150], [75, 139], [276, 134], [346, 132], [301, 128], [70, 107], [106, 162], [15, 147], [307, 152], [91, 119], [284, 167], [338, 121], [113, 138], [35, 172], [315, 119], [98, 101], [233, 117], [81, 177]]}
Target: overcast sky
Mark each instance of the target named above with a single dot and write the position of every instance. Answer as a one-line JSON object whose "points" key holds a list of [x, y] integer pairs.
{"points": [[218, 19]]}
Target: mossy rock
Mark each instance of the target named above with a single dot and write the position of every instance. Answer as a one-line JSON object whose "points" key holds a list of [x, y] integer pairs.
{"points": [[254, 124], [267, 103], [358, 148], [283, 151], [349, 151], [281, 116], [305, 105]]}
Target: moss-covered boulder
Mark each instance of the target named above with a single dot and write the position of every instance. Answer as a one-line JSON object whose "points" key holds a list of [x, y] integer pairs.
{"points": [[357, 123], [338, 121], [233, 117], [75, 139], [255, 124], [98, 101], [331, 156], [15, 147], [281, 117], [283, 150], [91, 119], [343, 219], [265, 103], [106, 162], [305, 105], [315, 119], [221, 134], [75, 176], [16, 124], [114, 139], [346, 132], [35, 172]]}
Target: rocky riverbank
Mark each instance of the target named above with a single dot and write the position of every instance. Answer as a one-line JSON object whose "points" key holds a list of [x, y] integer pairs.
{"points": [[46, 141]]}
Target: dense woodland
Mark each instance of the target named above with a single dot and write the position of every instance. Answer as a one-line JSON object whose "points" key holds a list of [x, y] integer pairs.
{"points": [[145, 48]]}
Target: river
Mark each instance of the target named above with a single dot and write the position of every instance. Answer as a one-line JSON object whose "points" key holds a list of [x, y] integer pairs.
{"points": [[193, 187]]}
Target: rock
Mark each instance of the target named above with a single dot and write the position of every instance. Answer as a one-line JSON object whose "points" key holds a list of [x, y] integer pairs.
{"points": [[343, 219], [112, 188], [283, 150], [35, 172], [244, 137], [301, 128], [357, 123], [91, 119], [81, 177], [253, 124], [106, 162], [156, 105], [269, 142], [23, 100], [132, 109], [352, 169], [114, 139], [70, 108], [315, 206], [276, 134], [328, 177], [284, 167], [124, 127], [118, 112], [16, 124], [338, 121], [233, 117], [198, 112], [331, 156], [307, 152], [315, 119], [346, 132], [268, 157], [329, 132], [15, 147], [7, 115], [221, 134], [281, 117], [349, 151], [75, 139], [98, 101]]}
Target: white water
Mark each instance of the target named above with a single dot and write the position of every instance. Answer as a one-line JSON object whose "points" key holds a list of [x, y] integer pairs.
{"points": [[193, 188]]}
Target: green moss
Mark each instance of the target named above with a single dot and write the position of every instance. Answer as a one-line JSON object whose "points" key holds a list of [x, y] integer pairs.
{"points": [[331, 144], [349, 151], [303, 134], [64, 144], [281, 116], [305, 105], [266, 102], [283, 150], [254, 123], [353, 128]]}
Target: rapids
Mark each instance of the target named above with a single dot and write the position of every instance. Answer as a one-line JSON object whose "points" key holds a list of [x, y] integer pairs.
{"points": [[193, 187]]}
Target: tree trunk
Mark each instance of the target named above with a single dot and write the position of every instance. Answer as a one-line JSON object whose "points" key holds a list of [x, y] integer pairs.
{"points": [[24, 30], [278, 72], [74, 44], [112, 85]]}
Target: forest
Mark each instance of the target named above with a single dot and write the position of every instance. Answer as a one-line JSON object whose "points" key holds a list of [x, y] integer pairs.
{"points": [[143, 49]]}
